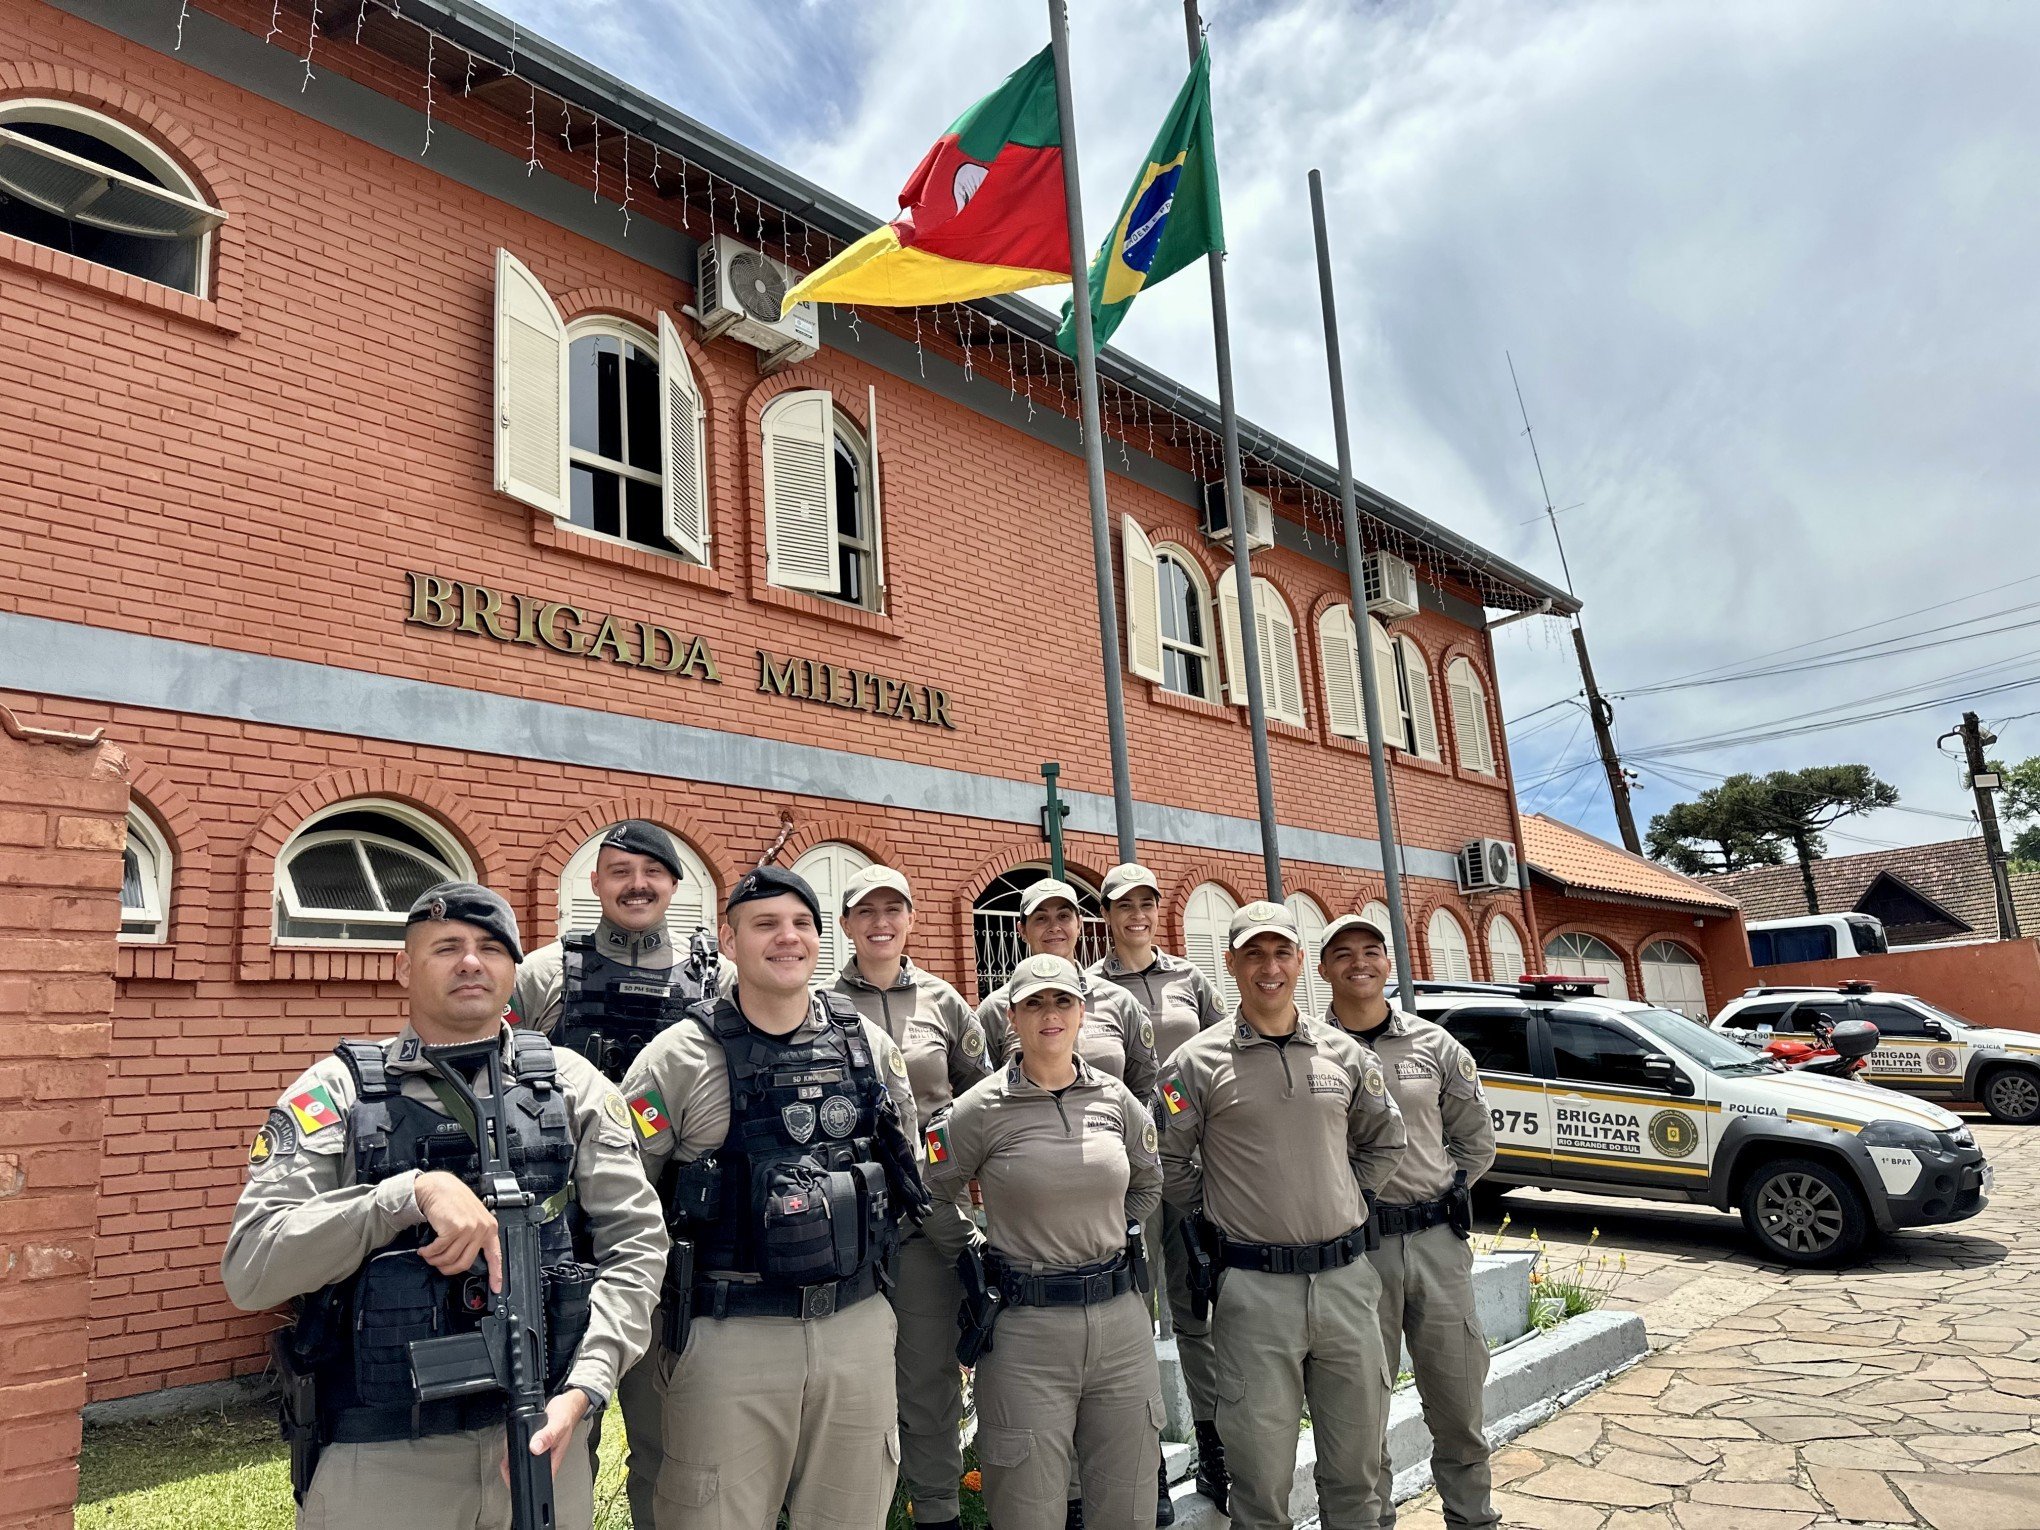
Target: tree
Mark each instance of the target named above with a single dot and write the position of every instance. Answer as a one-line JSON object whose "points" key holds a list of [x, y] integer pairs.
{"points": [[1804, 804], [1718, 832], [2020, 805]]}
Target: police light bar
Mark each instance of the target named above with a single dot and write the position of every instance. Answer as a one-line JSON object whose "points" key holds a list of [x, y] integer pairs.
{"points": [[1857, 985], [1555, 985]]}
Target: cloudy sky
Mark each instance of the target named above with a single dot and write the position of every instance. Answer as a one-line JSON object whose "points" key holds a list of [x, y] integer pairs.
{"points": [[1766, 272]]}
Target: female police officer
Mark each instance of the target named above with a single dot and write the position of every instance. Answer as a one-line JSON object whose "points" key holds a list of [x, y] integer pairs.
{"points": [[1067, 1161]]}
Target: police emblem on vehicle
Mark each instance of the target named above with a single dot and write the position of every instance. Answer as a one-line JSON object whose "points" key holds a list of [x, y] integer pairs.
{"points": [[1674, 1134], [799, 1121], [1941, 1060], [838, 1116]]}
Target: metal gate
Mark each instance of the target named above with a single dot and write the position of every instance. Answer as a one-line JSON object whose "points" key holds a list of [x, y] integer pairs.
{"points": [[995, 924]]}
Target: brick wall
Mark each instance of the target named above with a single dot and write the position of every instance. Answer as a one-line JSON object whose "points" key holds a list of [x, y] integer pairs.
{"points": [[62, 823]]}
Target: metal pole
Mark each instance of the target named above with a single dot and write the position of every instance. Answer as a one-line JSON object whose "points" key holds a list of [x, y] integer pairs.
{"points": [[1973, 741], [1236, 518], [1356, 582], [1051, 819], [1094, 438], [1602, 712]]}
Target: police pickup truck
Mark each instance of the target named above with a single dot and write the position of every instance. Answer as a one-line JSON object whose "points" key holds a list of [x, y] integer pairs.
{"points": [[1607, 1097], [1920, 1050]]}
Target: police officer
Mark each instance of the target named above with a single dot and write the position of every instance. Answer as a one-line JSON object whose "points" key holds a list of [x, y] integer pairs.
{"points": [[1066, 1158], [1424, 1217], [945, 1051], [779, 1126], [361, 1199], [1278, 1128], [1181, 1002]]}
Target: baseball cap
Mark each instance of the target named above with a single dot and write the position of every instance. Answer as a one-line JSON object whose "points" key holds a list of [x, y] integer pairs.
{"points": [[641, 838], [1125, 877], [1345, 922], [468, 903], [1261, 918], [772, 882], [1046, 889], [1039, 973], [863, 883]]}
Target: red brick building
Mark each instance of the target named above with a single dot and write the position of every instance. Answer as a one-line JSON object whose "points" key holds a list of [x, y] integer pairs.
{"points": [[372, 480]]}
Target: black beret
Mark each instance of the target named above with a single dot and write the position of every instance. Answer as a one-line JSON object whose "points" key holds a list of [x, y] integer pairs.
{"points": [[469, 903], [641, 838], [772, 882]]}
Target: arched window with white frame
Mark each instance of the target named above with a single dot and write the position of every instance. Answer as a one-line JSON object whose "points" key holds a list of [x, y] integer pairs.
{"points": [[621, 432], [351, 872], [1504, 950], [1445, 940], [695, 904], [1672, 979], [827, 867], [1313, 993], [75, 180], [1472, 735], [822, 509], [145, 873], [1578, 955], [1275, 638], [1206, 918]]}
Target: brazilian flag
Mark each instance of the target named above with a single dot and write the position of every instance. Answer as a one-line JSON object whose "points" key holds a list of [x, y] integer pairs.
{"points": [[1171, 215]]}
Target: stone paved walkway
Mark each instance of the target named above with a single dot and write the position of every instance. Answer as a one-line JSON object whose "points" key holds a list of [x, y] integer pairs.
{"points": [[1903, 1392]]}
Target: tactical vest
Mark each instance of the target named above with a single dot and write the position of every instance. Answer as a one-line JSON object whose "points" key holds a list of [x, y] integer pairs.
{"points": [[609, 1009], [365, 1388]]}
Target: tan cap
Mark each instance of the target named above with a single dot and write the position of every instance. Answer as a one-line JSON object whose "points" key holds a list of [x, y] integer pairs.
{"points": [[1041, 972], [1345, 922], [1047, 888], [1262, 918], [863, 883], [1125, 877]]}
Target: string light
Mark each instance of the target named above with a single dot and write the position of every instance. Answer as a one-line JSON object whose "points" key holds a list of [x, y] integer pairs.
{"points": [[311, 37], [626, 188], [183, 10], [431, 40], [596, 196], [275, 21], [531, 160]]}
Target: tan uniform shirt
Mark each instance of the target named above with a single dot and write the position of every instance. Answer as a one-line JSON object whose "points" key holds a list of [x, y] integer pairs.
{"points": [[1117, 1038], [1176, 994], [1062, 1174], [1274, 1143], [542, 977], [679, 1090], [1437, 1088], [930, 1023], [302, 1222]]}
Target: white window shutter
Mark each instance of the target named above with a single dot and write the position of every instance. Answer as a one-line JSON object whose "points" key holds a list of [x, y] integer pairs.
{"points": [[1338, 661], [1229, 623], [1423, 720], [1376, 914], [826, 868], [1483, 732], [1385, 689], [1469, 718], [1143, 600], [1505, 951], [1451, 962], [531, 389], [877, 515], [1205, 918], [1285, 696], [800, 491], [686, 462]]}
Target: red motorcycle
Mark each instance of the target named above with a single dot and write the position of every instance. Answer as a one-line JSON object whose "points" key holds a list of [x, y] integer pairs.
{"points": [[1840, 1049]]}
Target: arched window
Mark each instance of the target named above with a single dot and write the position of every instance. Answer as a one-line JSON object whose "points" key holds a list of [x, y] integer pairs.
{"points": [[1376, 914], [695, 904], [1275, 634], [1205, 918], [1313, 993], [995, 925], [75, 180], [1445, 937], [1413, 725], [1587, 956], [1672, 979], [351, 873], [144, 881], [827, 867], [1471, 735], [822, 524], [1339, 663], [1189, 659], [620, 431], [1504, 950]]}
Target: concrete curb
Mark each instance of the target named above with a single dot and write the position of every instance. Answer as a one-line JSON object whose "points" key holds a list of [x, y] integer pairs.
{"points": [[1528, 1382]]}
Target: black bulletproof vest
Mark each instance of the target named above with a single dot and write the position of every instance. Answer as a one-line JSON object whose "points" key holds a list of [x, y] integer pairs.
{"points": [[803, 1189], [610, 1009]]}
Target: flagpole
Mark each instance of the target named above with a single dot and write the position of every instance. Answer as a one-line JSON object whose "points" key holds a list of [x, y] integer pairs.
{"points": [[1370, 688], [1236, 518], [1094, 438]]}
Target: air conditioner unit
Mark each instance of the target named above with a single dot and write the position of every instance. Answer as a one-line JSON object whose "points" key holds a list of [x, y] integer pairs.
{"points": [[1260, 516], [1487, 865], [1391, 586], [737, 293]]}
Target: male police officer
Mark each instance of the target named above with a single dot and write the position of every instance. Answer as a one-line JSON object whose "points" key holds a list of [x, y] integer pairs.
{"points": [[1278, 1129], [780, 1127], [1424, 1216], [1181, 1002], [944, 1047], [361, 1199]]}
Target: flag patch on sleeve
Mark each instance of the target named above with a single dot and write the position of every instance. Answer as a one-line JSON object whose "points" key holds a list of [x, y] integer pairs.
{"points": [[649, 1111], [314, 1109], [1174, 1097], [938, 1144]]}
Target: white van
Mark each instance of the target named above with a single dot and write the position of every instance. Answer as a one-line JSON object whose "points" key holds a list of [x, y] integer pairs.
{"points": [[1815, 938]]}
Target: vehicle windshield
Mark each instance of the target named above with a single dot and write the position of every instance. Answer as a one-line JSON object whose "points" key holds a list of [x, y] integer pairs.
{"points": [[1954, 1021], [1710, 1049]]}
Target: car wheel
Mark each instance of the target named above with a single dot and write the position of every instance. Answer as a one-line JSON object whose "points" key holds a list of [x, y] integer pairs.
{"points": [[1803, 1212], [2012, 1095]]}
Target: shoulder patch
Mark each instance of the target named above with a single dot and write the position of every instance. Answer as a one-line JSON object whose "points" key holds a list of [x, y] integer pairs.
{"points": [[649, 1110], [614, 1108], [313, 1109], [936, 1141], [1147, 1034], [1150, 1138], [1372, 1083], [1173, 1095], [1467, 1070], [275, 1139], [973, 1040], [895, 1060]]}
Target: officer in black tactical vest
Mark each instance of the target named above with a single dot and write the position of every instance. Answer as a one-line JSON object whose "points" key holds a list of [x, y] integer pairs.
{"points": [[362, 1204], [779, 1127]]}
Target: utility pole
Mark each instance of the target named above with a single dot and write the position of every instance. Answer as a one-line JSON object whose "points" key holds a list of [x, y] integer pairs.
{"points": [[1985, 785], [1599, 709]]}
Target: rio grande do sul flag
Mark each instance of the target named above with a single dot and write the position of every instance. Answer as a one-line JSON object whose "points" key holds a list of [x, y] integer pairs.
{"points": [[983, 212], [1171, 216]]}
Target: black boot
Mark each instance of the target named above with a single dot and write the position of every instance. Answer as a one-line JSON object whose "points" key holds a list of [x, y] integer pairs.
{"points": [[1073, 1516], [1212, 1480], [1165, 1509]]}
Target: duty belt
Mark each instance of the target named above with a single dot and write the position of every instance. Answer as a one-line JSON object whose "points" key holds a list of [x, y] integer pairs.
{"points": [[1294, 1258], [373, 1426], [1395, 1221], [743, 1298], [1086, 1287]]}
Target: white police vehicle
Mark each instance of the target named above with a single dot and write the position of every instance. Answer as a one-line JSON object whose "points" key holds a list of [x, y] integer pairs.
{"points": [[1921, 1050], [1609, 1097]]}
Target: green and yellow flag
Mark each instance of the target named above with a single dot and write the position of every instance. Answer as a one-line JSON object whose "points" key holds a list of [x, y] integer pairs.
{"points": [[1171, 215]]}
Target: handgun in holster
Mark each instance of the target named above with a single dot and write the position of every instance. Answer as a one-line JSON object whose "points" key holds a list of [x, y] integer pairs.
{"points": [[297, 1413], [980, 1309], [1137, 1259], [1459, 1206], [1200, 1265]]}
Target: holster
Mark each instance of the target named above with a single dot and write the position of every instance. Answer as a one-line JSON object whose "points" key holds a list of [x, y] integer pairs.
{"points": [[1137, 1259], [1459, 1206], [678, 1295], [980, 1309], [297, 1413], [1200, 1265]]}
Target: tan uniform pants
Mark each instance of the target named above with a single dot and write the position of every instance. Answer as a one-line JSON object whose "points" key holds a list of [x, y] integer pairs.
{"points": [[761, 1412], [446, 1481], [1427, 1296], [1287, 1340], [643, 1407], [1063, 1382], [1193, 1337], [930, 1383]]}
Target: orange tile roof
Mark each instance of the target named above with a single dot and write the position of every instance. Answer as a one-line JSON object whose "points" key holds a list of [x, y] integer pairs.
{"points": [[1588, 865]]}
